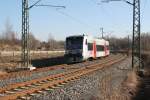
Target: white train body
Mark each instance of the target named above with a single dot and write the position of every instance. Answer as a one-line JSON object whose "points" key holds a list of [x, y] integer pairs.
{"points": [[82, 47]]}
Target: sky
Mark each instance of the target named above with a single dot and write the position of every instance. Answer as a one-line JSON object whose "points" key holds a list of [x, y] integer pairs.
{"points": [[79, 17]]}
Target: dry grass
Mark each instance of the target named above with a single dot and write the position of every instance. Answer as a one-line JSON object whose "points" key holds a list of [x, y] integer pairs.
{"points": [[132, 81], [130, 85], [125, 92], [12, 62]]}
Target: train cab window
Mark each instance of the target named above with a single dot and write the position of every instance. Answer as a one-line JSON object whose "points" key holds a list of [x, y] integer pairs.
{"points": [[100, 48], [86, 42], [90, 46], [74, 43]]}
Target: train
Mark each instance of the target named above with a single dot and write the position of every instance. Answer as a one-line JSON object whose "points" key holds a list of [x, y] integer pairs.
{"points": [[83, 47]]}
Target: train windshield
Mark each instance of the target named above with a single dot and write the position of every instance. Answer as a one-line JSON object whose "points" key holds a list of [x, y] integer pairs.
{"points": [[74, 43]]}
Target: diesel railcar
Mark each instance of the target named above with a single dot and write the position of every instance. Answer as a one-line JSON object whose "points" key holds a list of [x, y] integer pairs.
{"points": [[83, 47]]}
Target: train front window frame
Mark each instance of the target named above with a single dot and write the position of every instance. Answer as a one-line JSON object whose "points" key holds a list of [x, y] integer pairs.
{"points": [[90, 46], [74, 43]]}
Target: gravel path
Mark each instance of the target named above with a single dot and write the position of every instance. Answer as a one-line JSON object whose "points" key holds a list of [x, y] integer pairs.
{"points": [[96, 86]]}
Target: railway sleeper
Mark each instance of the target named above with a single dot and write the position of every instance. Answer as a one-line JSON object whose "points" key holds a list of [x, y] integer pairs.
{"points": [[42, 82], [17, 89], [33, 94], [23, 87], [24, 98], [48, 89], [29, 85], [40, 91], [9, 92], [36, 84]]}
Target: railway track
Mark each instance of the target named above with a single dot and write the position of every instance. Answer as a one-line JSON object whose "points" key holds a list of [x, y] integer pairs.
{"points": [[25, 90], [44, 69], [23, 76], [28, 73]]}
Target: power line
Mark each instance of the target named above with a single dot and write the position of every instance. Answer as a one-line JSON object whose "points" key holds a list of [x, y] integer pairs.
{"points": [[44, 5], [74, 19]]}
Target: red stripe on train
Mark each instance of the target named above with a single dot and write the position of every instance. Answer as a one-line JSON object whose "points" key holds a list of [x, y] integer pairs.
{"points": [[94, 49]]}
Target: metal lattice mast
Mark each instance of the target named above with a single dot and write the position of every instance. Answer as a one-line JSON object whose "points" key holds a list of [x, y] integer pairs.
{"points": [[136, 40], [25, 30], [25, 34], [136, 46], [102, 32]]}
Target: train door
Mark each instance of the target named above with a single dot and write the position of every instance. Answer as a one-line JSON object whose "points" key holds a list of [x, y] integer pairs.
{"points": [[85, 48]]}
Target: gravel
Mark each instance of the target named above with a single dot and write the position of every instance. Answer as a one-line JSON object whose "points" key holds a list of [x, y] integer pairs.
{"points": [[27, 78], [42, 74], [99, 85]]}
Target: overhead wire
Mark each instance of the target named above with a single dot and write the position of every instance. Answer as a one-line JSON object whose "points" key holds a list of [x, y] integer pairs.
{"points": [[74, 19], [104, 11], [35, 3]]}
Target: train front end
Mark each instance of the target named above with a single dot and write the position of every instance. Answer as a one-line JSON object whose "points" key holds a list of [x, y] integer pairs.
{"points": [[74, 49]]}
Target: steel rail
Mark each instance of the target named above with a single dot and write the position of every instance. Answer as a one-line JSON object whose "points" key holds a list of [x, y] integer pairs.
{"points": [[28, 73], [49, 83], [15, 85]]}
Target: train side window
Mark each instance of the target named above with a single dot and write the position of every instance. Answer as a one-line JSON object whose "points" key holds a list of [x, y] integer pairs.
{"points": [[100, 48], [90, 46], [86, 42]]}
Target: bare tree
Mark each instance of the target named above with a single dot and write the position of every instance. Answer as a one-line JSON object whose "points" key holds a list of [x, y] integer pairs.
{"points": [[34, 43], [120, 43], [145, 39], [8, 31], [51, 42], [8, 37]]}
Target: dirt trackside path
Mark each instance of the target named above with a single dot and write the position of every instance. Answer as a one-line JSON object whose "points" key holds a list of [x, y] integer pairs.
{"points": [[137, 85], [143, 91]]}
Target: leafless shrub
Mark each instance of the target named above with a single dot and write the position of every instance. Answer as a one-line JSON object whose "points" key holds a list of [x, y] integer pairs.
{"points": [[145, 39], [53, 44], [125, 43], [34, 43], [8, 36], [119, 43]]}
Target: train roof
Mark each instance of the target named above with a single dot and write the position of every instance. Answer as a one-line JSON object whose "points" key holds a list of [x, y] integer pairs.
{"points": [[75, 36], [90, 37]]}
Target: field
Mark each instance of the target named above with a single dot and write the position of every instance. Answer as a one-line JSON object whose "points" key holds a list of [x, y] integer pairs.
{"points": [[12, 59]]}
